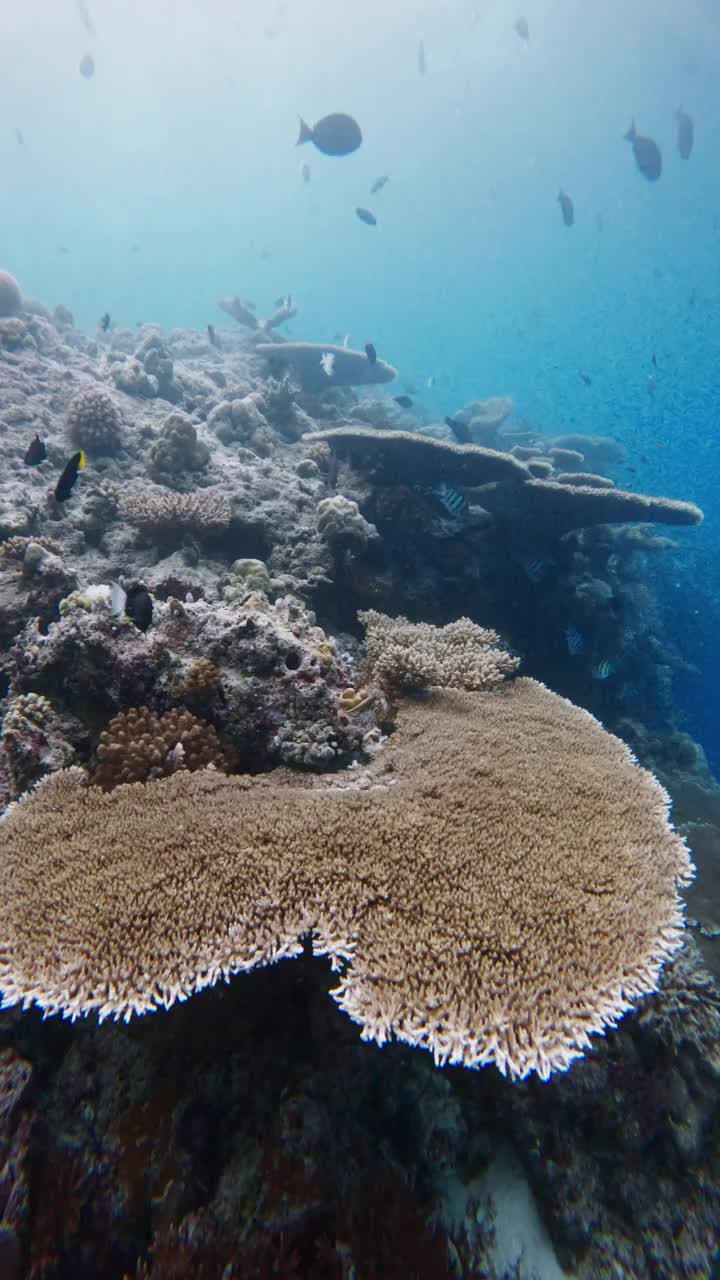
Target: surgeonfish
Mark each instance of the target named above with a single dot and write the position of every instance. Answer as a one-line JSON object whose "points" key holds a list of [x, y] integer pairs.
{"points": [[366, 216], [36, 452], [647, 154], [685, 133], [567, 208], [335, 135], [69, 475]]}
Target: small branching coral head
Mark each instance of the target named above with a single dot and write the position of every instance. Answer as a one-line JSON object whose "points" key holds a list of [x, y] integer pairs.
{"points": [[405, 655]]}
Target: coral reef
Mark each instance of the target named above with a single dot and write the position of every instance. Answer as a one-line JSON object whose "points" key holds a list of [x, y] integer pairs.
{"points": [[93, 422], [157, 511], [139, 745], [341, 524], [177, 451], [461, 655], [374, 875], [10, 296]]}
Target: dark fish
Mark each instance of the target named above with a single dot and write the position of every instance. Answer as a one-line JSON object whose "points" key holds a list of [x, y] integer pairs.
{"points": [[18, 135], [646, 152], [586, 378], [371, 353], [85, 17], [63, 249], [460, 430], [650, 385], [567, 208], [335, 135], [36, 452], [105, 322], [522, 28], [404, 401], [366, 216], [139, 607], [378, 184], [65, 484], [685, 133], [87, 66], [213, 337], [654, 361], [421, 59], [305, 173]]}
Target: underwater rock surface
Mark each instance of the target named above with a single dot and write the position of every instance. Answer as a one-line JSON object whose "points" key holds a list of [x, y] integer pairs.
{"points": [[251, 1131]]}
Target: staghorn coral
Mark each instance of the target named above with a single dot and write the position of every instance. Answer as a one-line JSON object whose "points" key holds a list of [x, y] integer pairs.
{"points": [[177, 450], [93, 422], [156, 511], [10, 296], [414, 655], [505, 887], [139, 744]]}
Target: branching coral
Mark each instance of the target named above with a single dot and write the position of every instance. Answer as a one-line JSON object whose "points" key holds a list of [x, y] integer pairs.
{"points": [[93, 421], [414, 655], [153, 510], [139, 744], [505, 886]]}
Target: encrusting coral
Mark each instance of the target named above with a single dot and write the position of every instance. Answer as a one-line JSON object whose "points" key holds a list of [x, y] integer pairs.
{"points": [[413, 655], [506, 886], [177, 450], [139, 744], [93, 422]]}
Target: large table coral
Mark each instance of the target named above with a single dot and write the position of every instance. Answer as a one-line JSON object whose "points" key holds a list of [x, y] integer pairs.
{"points": [[502, 884]]}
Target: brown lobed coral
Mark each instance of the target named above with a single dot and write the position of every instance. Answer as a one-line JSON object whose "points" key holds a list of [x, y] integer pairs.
{"points": [[140, 744], [414, 655], [93, 421], [10, 296], [503, 885]]}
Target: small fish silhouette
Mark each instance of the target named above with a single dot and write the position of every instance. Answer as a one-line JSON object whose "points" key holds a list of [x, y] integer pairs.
{"points": [[586, 378], [366, 216], [421, 59], [405, 402], [602, 670], [567, 208], [575, 641], [371, 353], [378, 184], [522, 28]]}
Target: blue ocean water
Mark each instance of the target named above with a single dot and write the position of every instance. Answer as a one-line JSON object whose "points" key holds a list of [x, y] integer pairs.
{"points": [[171, 177]]}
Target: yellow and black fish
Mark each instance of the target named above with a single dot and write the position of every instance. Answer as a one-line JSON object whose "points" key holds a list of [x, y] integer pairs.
{"points": [[65, 484], [36, 452]]}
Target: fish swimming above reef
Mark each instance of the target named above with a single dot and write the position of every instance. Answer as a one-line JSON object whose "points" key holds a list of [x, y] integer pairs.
{"points": [[213, 337], [522, 28], [69, 475], [585, 377], [379, 183], [366, 216], [567, 208], [335, 135], [455, 503], [104, 322], [421, 59], [371, 353], [647, 154], [327, 360], [405, 402], [36, 452], [685, 135], [87, 66]]}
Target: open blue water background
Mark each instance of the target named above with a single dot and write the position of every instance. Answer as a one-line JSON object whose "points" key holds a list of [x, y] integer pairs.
{"points": [[171, 178]]}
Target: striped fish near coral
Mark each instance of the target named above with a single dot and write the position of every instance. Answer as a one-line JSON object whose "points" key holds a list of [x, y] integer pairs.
{"points": [[603, 670]]}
